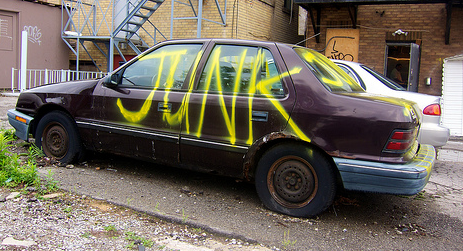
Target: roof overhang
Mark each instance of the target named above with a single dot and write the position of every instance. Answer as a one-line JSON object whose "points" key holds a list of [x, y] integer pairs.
{"points": [[370, 2], [316, 5]]}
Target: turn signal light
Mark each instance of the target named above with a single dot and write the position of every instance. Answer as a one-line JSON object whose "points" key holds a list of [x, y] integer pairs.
{"points": [[433, 109], [21, 119]]}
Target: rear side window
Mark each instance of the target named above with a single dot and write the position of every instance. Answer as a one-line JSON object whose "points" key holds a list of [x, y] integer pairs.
{"points": [[163, 68], [330, 75], [237, 69]]}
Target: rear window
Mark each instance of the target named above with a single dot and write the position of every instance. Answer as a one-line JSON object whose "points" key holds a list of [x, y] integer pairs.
{"points": [[330, 75], [386, 81]]}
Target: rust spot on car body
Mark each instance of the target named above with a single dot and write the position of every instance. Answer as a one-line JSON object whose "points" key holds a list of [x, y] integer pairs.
{"points": [[255, 149]]}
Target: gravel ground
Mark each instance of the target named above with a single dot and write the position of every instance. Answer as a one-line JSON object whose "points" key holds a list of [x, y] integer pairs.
{"points": [[64, 221]]}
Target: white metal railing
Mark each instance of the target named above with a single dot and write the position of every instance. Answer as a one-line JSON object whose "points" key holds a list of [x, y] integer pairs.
{"points": [[36, 78]]}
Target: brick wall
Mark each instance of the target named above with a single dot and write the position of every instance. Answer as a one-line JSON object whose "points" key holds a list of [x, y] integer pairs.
{"points": [[376, 21]]}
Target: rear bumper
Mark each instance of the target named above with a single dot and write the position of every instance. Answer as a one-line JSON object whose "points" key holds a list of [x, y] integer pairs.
{"points": [[20, 122], [404, 179], [433, 134]]}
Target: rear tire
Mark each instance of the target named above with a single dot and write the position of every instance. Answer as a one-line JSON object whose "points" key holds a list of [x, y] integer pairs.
{"points": [[295, 180], [57, 135]]}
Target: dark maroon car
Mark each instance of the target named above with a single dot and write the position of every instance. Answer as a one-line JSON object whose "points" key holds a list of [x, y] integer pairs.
{"points": [[280, 115]]}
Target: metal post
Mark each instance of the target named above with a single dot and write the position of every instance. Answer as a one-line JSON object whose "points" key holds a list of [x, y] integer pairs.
{"points": [[77, 57], [172, 19], [111, 55], [46, 77], [200, 18], [22, 84], [12, 79]]}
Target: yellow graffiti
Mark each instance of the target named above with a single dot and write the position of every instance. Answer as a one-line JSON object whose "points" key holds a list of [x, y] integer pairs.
{"points": [[176, 118], [135, 117], [261, 87], [331, 76]]}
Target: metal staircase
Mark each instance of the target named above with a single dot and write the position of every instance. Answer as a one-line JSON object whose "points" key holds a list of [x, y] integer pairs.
{"points": [[138, 15], [111, 25], [108, 27]]}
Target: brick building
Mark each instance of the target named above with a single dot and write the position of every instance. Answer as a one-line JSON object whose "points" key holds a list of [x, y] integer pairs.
{"points": [[388, 32], [272, 20]]}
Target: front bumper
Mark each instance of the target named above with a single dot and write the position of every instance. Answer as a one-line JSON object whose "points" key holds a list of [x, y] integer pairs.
{"points": [[20, 122], [404, 179]]}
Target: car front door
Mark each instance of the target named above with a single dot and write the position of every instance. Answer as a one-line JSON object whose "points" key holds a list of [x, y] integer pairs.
{"points": [[240, 96], [140, 115]]}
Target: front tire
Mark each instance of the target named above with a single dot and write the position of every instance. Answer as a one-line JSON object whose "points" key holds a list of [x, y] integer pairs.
{"points": [[58, 137], [295, 180]]}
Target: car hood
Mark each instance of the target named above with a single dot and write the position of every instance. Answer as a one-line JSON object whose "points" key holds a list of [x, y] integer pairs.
{"points": [[72, 87]]}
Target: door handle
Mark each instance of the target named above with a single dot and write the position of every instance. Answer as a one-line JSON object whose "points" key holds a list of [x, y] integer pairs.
{"points": [[164, 107], [259, 116]]}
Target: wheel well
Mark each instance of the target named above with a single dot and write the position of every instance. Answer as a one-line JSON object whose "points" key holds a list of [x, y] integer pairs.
{"points": [[265, 147], [42, 112]]}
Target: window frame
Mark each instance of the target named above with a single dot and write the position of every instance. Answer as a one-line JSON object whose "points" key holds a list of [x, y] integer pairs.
{"points": [[184, 87]]}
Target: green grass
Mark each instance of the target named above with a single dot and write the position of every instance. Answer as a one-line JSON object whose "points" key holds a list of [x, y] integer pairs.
{"points": [[16, 171], [287, 242], [13, 171], [110, 228], [133, 238]]}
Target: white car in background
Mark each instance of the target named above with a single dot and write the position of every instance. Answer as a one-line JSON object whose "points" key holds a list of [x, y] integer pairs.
{"points": [[431, 131]]}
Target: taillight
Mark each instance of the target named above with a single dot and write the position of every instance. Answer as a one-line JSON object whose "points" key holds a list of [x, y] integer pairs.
{"points": [[433, 109], [400, 140]]}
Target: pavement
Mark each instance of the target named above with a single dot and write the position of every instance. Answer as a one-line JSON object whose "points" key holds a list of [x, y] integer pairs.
{"points": [[432, 219]]}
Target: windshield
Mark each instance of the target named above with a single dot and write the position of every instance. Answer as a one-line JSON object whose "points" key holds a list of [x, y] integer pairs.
{"points": [[330, 75], [386, 81]]}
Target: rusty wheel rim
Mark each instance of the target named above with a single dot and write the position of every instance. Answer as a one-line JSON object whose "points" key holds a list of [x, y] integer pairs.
{"points": [[55, 141], [292, 182]]}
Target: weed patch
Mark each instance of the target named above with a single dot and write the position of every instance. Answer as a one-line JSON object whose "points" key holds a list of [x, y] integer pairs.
{"points": [[20, 169]]}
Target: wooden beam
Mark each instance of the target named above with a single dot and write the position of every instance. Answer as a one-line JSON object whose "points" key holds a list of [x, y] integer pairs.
{"points": [[353, 15], [315, 25]]}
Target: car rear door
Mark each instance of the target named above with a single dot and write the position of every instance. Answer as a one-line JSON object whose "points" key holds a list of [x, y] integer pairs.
{"points": [[241, 95]]}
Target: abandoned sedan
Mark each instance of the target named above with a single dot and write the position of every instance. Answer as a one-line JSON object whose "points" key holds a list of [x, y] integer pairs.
{"points": [[282, 116]]}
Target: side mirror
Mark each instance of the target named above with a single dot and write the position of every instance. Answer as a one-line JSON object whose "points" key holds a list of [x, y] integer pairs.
{"points": [[111, 81]]}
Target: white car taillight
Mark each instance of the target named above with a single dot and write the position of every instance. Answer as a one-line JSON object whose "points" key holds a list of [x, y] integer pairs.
{"points": [[433, 109]]}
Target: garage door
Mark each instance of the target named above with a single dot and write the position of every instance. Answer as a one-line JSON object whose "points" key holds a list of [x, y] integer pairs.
{"points": [[452, 95]]}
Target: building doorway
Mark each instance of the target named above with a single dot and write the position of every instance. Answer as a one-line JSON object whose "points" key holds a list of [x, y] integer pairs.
{"points": [[403, 64], [9, 47]]}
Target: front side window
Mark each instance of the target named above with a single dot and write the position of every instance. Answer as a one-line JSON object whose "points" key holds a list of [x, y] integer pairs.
{"points": [[330, 75], [164, 68], [241, 70]]}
